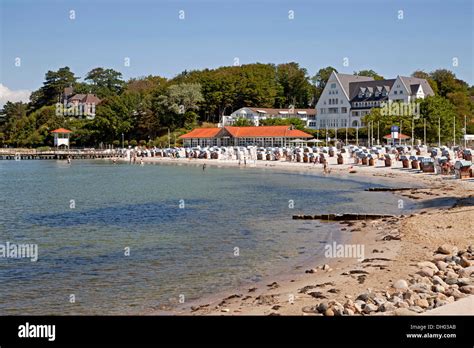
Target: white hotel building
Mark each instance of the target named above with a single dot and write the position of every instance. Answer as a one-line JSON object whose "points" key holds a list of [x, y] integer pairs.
{"points": [[255, 115], [347, 98]]}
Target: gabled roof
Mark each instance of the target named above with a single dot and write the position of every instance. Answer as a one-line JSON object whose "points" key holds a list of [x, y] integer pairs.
{"points": [[355, 87], [61, 130], [88, 98], [346, 79], [409, 81]]}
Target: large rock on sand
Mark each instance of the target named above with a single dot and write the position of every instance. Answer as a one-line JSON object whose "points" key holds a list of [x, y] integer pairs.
{"points": [[445, 249], [400, 284], [426, 272], [428, 264], [466, 272]]}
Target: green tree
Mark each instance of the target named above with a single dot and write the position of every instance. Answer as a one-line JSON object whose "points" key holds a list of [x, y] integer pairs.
{"points": [[176, 108], [276, 121], [243, 122], [447, 82], [53, 87], [105, 82], [439, 111], [296, 88], [369, 73], [320, 79]]}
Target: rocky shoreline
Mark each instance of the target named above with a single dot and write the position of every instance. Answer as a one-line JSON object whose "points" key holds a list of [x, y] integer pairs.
{"points": [[440, 281], [412, 264]]}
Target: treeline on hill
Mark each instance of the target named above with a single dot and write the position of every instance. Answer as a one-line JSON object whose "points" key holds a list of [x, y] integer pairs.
{"points": [[146, 109]]}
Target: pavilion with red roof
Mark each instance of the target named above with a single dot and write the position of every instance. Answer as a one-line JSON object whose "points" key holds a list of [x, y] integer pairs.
{"points": [[61, 137], [400, 137], [266, 136]]}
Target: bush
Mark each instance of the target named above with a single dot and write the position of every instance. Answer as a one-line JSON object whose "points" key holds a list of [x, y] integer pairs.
{"points": [[116, 143], [133, 142], [142, 142]]}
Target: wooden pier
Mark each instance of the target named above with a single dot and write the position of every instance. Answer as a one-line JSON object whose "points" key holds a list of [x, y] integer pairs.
{"points": [[24, 154]]}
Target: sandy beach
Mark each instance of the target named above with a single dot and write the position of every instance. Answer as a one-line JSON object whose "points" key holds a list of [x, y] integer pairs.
{"points": [[429, 246]]}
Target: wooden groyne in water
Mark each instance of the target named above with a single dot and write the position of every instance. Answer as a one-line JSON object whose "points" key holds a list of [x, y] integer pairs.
{"points": [[22, 154], [342, 217], [389, 189]]}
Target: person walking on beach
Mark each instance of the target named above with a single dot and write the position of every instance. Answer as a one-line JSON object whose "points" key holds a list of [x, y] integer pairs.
{"points": [[326, 169], [204, 167]]}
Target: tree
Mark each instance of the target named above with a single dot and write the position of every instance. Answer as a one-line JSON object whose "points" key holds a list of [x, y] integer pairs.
{"points": [[447, 82], [176, 108], [53, 87], [296, 89], [369, 73], [438, 110], [243, 122], [105, 82], [320, 79], [295, 121], [10, 114]]}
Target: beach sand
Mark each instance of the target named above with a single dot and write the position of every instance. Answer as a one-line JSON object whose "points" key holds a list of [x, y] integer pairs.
{"points": [[393, 248]]}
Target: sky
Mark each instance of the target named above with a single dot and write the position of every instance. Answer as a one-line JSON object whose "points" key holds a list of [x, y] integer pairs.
{"points": [[348, 35]]}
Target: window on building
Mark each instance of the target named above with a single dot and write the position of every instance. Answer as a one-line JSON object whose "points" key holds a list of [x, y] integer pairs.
{"points": [[333, 85], [395, 92], [401, 92], [343, 110]]}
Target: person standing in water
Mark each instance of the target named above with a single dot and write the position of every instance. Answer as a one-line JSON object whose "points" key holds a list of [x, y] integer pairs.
{"points": [[204, 167], [68, 159]]}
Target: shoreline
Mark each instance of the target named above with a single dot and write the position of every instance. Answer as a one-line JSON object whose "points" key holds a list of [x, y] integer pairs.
{"points": [[408, 240]]}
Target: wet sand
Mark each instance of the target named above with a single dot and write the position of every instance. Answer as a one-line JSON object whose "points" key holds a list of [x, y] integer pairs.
{"points": [[393, 248]]}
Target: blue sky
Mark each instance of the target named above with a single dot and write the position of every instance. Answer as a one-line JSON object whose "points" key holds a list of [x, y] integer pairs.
{"points": [[213, 33]]}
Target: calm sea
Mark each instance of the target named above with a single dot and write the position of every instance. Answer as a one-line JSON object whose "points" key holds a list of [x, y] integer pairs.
{"points": [[188, 232]]}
